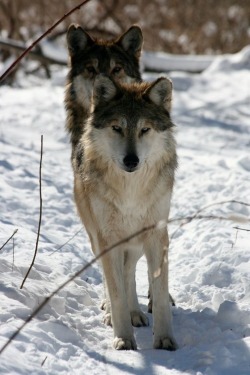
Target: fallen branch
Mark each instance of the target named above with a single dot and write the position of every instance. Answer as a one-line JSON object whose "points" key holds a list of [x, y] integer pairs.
{"points": [[40, 215], [37, 54], [13, 234], [17, 61]]}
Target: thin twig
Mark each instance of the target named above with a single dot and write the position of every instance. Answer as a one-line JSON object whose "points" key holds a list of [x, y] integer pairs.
{"points": [[238, 228], [13, 234], [13, 252], [47, 299], [17, 61], [235, 239], [196, 215], [71, 238], [40, 215], [222, 202], [188, 219], [44, 361]]}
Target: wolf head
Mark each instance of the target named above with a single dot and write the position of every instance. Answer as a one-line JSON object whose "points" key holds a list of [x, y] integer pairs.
{"points": [[90, 57], [130, 124]]}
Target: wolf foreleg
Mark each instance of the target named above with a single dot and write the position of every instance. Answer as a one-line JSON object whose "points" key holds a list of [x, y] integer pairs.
{"points": [[113, 267], [138, 318]]}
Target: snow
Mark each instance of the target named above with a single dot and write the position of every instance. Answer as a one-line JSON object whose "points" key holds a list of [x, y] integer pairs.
{"points": [[54, 51], [209, 258], [164, 62]]}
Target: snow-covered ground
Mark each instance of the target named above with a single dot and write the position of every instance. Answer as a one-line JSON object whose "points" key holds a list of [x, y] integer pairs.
{"points": [[209, 258]]}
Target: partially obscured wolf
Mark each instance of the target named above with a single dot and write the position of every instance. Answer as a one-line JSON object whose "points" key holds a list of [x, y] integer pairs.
{"points": [[90, 57], [123, 180]]}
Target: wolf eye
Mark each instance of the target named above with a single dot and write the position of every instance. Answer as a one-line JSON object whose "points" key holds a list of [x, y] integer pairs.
{"points": [[144, 130], [117, 129], [116, 69]]}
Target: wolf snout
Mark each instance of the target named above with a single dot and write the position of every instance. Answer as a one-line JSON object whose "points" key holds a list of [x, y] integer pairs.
{"points": [[131, 161]]}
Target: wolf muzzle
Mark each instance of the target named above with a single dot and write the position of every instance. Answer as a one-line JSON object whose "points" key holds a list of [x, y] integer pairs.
{"points": [[131, 161]]}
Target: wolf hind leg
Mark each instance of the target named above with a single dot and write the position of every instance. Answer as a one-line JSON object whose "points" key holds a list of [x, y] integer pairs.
{"points": [[138, 318], [150, 296], [156, 250], [106, 306]]}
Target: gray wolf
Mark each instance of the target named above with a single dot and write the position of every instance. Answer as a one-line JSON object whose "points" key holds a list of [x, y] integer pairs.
{"points": [[123, 180], [89, 57]]}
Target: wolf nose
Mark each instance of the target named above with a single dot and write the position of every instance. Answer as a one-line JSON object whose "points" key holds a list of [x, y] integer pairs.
{"points": [[131, 161]]}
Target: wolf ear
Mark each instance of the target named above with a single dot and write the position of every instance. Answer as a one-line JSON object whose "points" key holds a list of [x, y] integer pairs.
{"points": [[131, 41], [160, 92], [77, 39], [104, 89]]}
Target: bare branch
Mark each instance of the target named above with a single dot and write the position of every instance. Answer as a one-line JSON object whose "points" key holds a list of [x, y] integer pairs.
{"points": [[37, 54], [13, 234], [222, 202], [196, 215], [238, 228], [188, 219], [40, 215], [17, 61]]}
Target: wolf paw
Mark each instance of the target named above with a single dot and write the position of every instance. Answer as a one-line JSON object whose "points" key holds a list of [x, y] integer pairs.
{"points": [[165, 343], [139, 319], [107, 319], [124, 344]]}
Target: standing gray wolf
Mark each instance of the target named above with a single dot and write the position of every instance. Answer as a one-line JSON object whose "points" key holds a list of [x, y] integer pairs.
{"points": [[88, 58], [123, 180]]}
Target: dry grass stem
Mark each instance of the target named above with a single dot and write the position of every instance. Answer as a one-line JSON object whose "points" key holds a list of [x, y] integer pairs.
{"points": [[65, 243], [13, 234], [40, 215]]}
